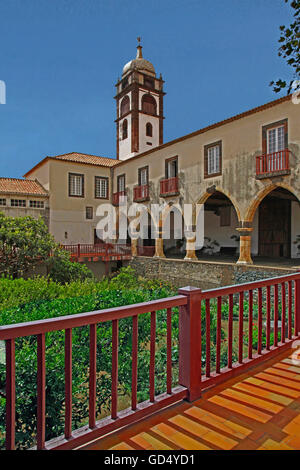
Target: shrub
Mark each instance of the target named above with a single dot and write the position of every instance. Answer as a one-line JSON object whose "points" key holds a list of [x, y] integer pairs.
{"points": [[50, 299], [62, 269]]}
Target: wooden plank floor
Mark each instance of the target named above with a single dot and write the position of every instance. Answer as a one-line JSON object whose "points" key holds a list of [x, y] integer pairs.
{"points": [[257, 410]]}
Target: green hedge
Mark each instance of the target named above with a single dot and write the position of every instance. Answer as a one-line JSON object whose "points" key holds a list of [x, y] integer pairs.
{"points": [[52, 300]]}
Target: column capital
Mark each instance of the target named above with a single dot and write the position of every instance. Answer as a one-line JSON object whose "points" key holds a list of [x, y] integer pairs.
{"points": [[245, 231]]}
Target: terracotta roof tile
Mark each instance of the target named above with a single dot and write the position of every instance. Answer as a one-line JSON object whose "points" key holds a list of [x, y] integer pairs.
{"points": [[22, 186], [85, 158]]}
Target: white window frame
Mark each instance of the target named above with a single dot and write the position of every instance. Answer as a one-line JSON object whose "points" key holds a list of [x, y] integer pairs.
{"points": [[18, 203], [213, 159], [76, 182], [277, 143], [101, 187], [34, 204], [144, 176], [121, 183]]}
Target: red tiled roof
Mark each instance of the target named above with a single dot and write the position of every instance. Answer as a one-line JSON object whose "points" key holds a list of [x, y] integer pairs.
{"points": [[22, 186], [86, 158]]}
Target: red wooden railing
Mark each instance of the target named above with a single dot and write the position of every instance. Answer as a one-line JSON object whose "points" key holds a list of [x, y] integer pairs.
{"points": [[141, 193], [273, 162], [118, 198], [274, 300], [145, 250], [105, 251], [169, 186], [270, 298], [117, 419]]}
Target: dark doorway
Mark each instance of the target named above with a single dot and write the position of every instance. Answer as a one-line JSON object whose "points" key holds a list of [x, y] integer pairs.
{"points": [[275, 225]]}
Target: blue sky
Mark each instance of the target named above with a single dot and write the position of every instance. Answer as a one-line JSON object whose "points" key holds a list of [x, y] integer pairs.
{"points": [[60, 60]]}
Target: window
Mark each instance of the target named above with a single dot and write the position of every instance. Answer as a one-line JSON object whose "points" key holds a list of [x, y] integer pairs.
{"points": [[125, 129], [213, 159], [149, 129], [2, 202], [18, 202], [275, 140], [125, 105], [37, 204], [275, 137], [143, 176], [76, 185], [121, 183], [148, 104], [171, 167], [124, 83], [89, 213], [149, 82], [101, 187]]}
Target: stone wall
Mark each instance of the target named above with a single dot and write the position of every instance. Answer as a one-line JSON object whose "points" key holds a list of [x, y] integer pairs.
{"points": [[203, 274]]}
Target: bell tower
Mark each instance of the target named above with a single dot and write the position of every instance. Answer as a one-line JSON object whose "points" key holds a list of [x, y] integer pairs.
{"points": [[139, 100]]}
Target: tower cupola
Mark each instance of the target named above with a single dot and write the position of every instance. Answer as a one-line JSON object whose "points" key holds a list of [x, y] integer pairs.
{"points": [[139, 107]]}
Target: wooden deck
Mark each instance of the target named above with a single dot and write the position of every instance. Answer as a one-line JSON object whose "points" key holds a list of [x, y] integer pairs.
{"points": [[258, 410]]}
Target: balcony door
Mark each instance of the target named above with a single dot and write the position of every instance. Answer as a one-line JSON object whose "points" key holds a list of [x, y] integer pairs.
{"points": [[171, 168], [276, 139]]}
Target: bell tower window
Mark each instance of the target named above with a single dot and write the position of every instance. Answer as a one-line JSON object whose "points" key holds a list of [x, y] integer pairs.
{"points": [[125, 105], [125, 129], [149, 82], [149, 129], [149, 104], [124, 83]]}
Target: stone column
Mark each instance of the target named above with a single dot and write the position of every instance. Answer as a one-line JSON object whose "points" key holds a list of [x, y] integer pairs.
{"points": [[159, 248], [190, 244], [134, 243], [159, 241], [245, 245]]}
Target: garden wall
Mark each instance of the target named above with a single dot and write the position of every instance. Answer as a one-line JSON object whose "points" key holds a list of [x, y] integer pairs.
{"points": [[203, 274]]}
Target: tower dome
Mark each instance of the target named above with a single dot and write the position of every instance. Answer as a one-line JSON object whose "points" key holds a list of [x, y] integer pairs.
{"points": [[139, 63]]}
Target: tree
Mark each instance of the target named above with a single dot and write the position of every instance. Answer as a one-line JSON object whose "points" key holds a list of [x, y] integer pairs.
{"points": [[290, 48], [24, 242]]}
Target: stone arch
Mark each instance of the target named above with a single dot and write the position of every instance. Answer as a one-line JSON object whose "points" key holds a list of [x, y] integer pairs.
{"points": [[173, 230], [208, 194], [250, 213], [149, 105], [125, 105], [151, 223], [124, 129]]}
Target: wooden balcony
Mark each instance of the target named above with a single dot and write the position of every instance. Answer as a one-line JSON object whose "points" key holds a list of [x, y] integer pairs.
{"points": [[169, 187], [258, 410], [118, 198], [103, 251], [141, 193], [272, 164]]}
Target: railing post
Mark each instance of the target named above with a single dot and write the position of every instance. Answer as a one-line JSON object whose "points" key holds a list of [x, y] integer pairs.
{"points": [[190, 342], [297, 307], [78, 250]]}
